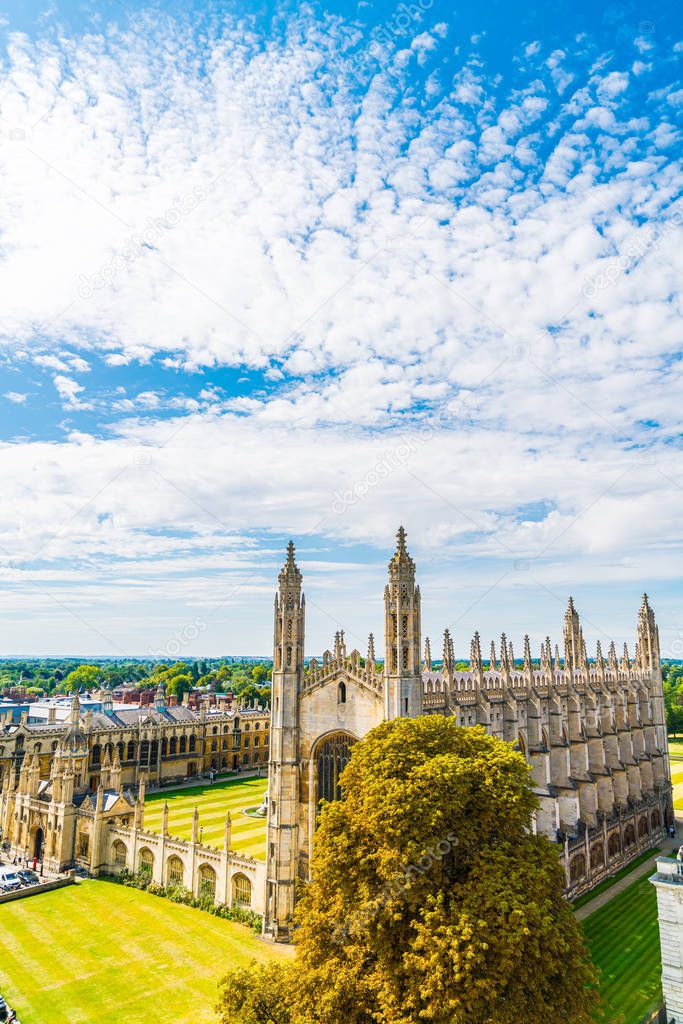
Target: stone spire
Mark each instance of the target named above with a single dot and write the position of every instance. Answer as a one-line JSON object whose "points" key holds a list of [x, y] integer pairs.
{"points": [[476, 664], [493, 664], [625, 661], [504, 654], [228, 832], [648, 637], [428, 656], [572, 638], [557, 655], [448, 659], [612, 659], [371, 650], [527, 666], [115, 775]]}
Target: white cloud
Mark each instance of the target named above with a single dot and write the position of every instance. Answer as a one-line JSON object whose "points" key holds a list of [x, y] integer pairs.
{"points": [[17, 397], [385, 260], [69, 391]]}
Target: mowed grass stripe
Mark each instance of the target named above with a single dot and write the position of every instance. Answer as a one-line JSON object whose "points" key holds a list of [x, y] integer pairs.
{"points": [[623, 938], [65, 954], [214, 802]]}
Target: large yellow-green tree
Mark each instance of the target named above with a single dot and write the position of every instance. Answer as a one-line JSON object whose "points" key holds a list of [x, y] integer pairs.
{"points": [[432, 900]]}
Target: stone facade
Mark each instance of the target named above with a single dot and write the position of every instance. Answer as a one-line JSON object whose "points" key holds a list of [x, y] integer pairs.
{"points": [[668, 882], [65, 825], [593, 732]]}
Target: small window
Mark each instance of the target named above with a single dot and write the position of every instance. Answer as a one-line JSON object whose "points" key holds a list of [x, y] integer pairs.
{"points": [[341, 693]]}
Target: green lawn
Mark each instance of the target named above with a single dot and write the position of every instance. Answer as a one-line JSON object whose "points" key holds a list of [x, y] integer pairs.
{"points": [[214, 802], [623, 938], [607, 883], [100, 953]]}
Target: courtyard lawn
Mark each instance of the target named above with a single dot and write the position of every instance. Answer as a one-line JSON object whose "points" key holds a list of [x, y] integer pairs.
{"points": [[214, 802], [676, 747], [623, 938], [99, 952]]}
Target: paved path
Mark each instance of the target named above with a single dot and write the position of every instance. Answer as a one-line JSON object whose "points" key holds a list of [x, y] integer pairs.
{"points": [[671, 845]]}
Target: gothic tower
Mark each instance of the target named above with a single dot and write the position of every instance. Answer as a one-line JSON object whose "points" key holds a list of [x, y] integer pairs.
{"points": [[402, 671], [283, 772]]}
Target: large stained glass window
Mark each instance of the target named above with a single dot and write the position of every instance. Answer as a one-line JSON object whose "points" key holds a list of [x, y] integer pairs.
{"points": [[332, 758]]}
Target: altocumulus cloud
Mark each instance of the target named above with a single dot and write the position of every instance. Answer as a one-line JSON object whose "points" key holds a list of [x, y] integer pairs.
{"points": [[395, 240]]}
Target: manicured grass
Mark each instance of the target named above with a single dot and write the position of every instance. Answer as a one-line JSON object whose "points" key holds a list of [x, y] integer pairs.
{"points": [[214, 802], [676, 747], [607, 883], [623, 938], [100, 953]]}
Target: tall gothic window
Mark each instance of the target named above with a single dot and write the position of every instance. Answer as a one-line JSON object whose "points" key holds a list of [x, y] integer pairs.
{"points": [[332, 758]]}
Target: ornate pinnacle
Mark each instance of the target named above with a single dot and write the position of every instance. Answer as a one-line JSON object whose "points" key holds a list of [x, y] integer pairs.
{"points": [[428, 655], [371, 648], [492, 660], [527, 653], [401, 556], [290, 574]]}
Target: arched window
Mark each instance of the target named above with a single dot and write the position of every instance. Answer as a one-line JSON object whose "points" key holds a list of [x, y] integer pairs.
{"points": [[629, 836], [241, 890], [597, 855], [193, 744], [207, 881], [577, 867], [642, 826], [119, 748], [174, 871], [130, 754], [96, 754], [614, 845], [146, 862], [154, 752], [341, 693], [120, 854], [164, 747], [183, 744], [174, 745], [654, 819], [332, 757], [144, 752]]}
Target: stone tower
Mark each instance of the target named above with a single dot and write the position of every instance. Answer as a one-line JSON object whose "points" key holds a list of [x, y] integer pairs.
{"points": [[283, 777], [402, 631]]}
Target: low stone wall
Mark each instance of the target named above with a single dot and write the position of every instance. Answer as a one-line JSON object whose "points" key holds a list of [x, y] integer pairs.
{"points": [[33, 890]]}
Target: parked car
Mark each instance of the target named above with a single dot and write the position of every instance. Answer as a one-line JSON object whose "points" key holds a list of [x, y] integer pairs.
{"points": [[28, 876], [9, 879]]}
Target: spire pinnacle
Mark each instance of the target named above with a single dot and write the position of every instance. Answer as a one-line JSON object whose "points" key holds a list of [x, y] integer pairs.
{"points": [[371, 648], [401, 559], [428, 655], [290, 574]]}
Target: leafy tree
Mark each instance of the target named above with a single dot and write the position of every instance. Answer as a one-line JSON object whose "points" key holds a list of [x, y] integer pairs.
{"points": [[257, 994], [84, 677], [432, 902], [260, 673], [178, 685]]}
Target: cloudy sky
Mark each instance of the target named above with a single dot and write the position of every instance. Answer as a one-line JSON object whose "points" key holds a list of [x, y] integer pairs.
{"points": [[273, 270]]}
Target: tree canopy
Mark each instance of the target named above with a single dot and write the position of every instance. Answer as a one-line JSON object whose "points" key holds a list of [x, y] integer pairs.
{"points": [[432, 900]]}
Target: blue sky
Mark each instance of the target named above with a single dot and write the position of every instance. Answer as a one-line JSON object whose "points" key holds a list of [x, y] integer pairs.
{"points": [[278, 270]]}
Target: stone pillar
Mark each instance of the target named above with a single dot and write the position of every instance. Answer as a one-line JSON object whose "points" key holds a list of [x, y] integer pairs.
{"points": [[669, 885]]}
